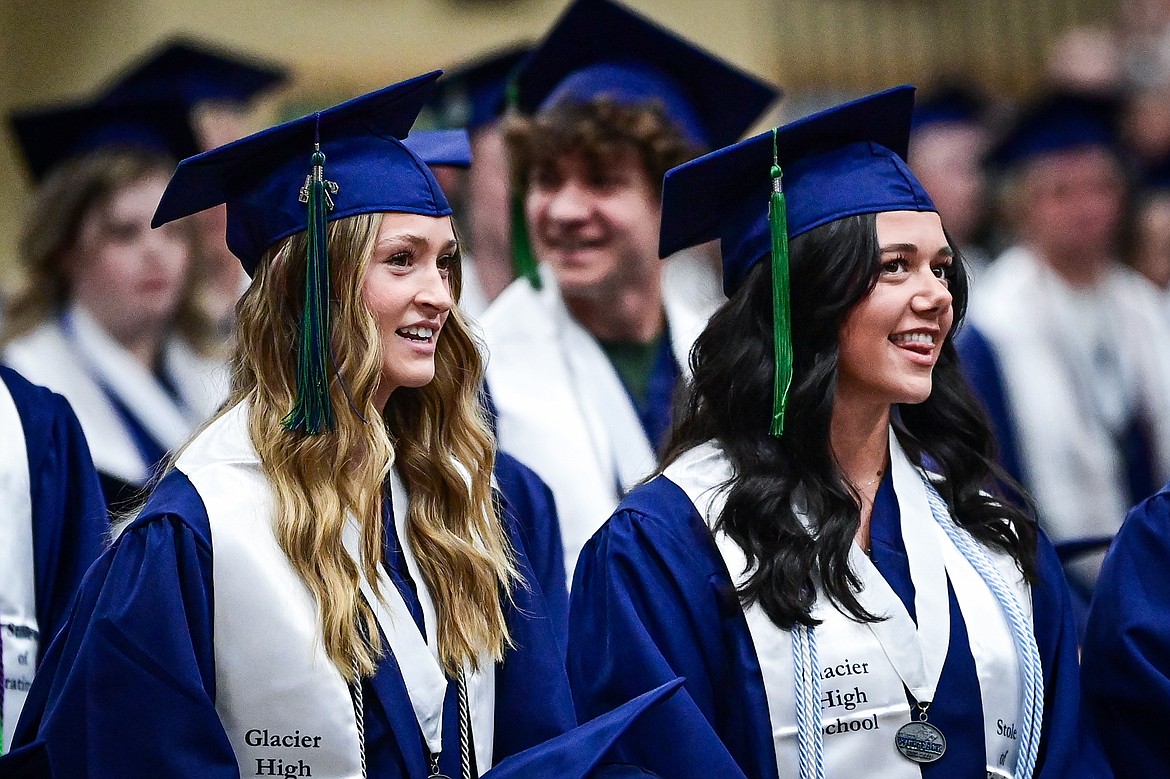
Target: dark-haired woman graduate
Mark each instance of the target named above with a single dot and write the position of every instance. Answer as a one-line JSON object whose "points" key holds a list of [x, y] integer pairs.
{"points": [[52, 526], [818, 557], [323, 584]]}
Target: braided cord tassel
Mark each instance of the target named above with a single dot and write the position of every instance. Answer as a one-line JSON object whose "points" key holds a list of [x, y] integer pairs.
{"points": [[312, 412], [465, 745], [1031, 670], [357, 697], [781, 310], [810, 739]]}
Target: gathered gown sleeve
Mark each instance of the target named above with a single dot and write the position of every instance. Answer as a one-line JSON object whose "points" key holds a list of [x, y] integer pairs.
{"points": [[127, 689], [651, 601]]}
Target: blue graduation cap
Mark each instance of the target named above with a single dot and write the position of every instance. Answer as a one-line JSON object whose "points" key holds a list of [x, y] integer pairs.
{"points": [[260, 176], [758, 194], [599, 48], [52, 135], [1058, 122], [346, 160], [451, 148], [472, 94], [191, 72]]}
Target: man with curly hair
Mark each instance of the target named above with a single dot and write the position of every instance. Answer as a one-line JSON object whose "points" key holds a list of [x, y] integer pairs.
{"points": [[588, 346]]}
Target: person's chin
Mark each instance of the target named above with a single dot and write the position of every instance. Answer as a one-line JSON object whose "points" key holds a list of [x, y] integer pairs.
{"points": [[918, 392], [415, 376], [581, 281], [419, 381]]}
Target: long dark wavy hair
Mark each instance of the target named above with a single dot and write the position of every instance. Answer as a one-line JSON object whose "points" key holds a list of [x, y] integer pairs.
{"points": [[730, 401]]}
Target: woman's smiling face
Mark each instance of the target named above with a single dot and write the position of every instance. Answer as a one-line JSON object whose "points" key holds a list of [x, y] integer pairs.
{"points": [[407, 289], [891, 339]]}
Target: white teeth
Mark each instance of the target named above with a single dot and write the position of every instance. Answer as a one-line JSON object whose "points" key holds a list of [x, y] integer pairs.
{"points": [[921, 338], [423, 333]]}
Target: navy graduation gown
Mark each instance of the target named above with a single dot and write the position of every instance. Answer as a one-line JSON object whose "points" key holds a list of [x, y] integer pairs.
{"points": [[652, 599], [983, 374], [1126, 661], [68, 510], [128, 688], [529, 504]]}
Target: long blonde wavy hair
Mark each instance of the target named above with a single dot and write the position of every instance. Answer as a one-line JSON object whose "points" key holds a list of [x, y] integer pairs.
{"points": [[437, 436]]}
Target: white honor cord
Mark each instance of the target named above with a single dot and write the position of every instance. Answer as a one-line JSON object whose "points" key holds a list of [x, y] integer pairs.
{"points": [[1031, 670], [810, 737]]}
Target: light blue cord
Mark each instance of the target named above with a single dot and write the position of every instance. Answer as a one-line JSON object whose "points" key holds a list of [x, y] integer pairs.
{"points": [[809, 736], [809, 740], [1031, 670]]}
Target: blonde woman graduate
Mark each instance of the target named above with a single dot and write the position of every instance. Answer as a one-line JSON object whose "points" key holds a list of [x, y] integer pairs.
{"points": [[322, 585], [818, 556]]}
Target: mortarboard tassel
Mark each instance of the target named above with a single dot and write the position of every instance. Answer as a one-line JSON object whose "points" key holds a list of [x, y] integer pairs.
{"points": [[523, 260], [781, 312], [313, 411]]}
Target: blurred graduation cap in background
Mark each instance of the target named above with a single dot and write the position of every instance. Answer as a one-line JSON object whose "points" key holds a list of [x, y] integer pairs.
{"points": [[148, 106], [192, 72], [1061, 121], [51, 135], [760, 193], [951, 103], [599, 48], [473, 94]]}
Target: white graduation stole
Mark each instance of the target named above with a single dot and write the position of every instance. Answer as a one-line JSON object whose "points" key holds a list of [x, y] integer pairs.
{"points": [[563, 408], [284, 705], [863, 701], [19, 632]]}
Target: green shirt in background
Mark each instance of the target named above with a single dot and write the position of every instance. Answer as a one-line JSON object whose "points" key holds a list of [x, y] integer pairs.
{"points": [[634, 363]]}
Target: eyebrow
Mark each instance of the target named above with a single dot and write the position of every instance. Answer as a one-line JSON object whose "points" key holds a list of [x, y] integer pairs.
{"points": [[911, 248], [417, 241]]}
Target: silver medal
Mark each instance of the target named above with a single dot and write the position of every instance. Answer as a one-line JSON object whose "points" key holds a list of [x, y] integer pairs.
{"points": [[920, 742]]}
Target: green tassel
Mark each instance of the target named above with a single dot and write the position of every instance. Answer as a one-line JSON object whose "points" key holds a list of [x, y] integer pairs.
{"points": [[523, 260], [313, 411], [781, 311]]}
